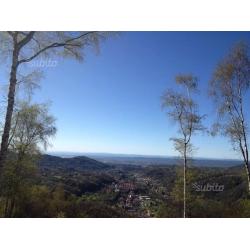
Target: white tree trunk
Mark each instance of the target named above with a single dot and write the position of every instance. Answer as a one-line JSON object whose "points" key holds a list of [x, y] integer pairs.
{"points": [[184, 181]]}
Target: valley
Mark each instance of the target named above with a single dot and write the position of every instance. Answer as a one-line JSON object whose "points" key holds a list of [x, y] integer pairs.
{"points": [[97, 189]]}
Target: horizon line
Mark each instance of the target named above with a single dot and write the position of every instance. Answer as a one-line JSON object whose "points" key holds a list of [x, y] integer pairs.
{"points": [[137, 155]]}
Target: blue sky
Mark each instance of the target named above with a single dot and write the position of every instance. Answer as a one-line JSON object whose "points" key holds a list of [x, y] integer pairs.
{"points": [[111, 102]]}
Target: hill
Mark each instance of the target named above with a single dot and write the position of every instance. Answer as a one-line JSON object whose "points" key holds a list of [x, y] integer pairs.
{"points": [[79, 162]]}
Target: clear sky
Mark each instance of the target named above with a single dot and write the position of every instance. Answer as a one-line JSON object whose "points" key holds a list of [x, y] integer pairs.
{"points": [[111, 102]]}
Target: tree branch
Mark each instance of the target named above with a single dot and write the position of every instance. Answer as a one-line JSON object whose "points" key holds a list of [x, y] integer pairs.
{"points": [[56, 45]]}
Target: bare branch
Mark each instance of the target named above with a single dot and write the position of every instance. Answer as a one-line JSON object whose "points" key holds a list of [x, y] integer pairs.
{"points": [[56, 45]]}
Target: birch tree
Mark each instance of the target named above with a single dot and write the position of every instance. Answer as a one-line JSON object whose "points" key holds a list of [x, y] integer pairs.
{"points": [[229, 87], [31, 129], [182, 109], [20, 48]]}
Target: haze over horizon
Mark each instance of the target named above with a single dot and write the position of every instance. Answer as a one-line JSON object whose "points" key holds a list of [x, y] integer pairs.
{"points": [[70, 153]]}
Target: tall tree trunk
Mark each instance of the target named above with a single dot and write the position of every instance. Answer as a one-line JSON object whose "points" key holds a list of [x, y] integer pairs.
{"points": [[248, 176], [184, 181], [9, 209], [6, 207], [10, 106]]}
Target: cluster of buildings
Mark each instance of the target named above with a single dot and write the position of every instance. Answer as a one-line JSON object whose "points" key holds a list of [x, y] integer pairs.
{"points": [[136, 204], [135, 195], [130, 200]]}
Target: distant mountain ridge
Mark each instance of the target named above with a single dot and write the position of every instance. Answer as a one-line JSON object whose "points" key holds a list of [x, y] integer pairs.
{"points": [[78, 162], [150, 160], [146, 161]]}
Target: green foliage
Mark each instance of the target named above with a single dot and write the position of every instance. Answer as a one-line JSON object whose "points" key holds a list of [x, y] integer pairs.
{"points": [[32, 126], [229, 88]]}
